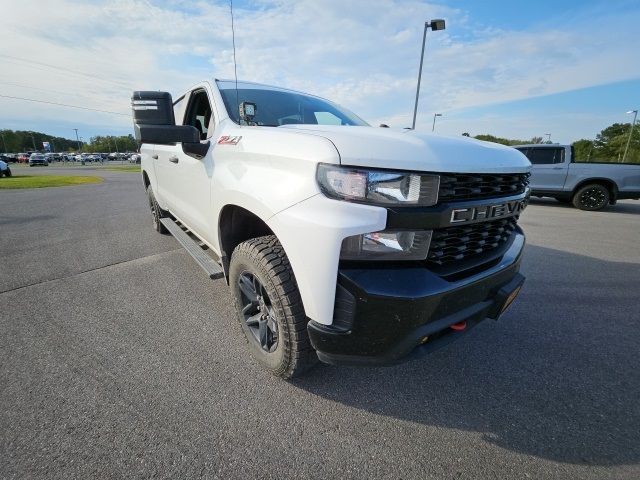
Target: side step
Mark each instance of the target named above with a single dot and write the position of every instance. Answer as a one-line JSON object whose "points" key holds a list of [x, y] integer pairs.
{"points": [[208, 264]]}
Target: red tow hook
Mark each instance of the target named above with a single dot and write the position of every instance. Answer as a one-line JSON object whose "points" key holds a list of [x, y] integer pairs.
{"points": [[458, 327]]}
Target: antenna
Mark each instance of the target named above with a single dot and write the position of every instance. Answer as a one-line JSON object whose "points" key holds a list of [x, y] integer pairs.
{"points": [[235, 65]]}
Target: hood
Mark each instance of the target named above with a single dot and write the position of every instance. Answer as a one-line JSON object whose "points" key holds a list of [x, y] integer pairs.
{"points": [[411, 150]]}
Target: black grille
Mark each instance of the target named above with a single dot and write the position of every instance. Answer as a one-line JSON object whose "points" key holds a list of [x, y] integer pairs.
{"points": [[469, 186], [453, 244]]}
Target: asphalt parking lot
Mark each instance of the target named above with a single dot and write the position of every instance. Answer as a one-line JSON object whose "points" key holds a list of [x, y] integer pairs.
{"points": [[119, 358]]}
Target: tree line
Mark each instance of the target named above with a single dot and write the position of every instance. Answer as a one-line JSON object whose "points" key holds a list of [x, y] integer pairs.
{"points": [[20, 141], [608, 146]]}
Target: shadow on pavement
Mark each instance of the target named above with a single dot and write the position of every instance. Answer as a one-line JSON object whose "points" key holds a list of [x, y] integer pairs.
{"points": [[623, 206], [557, 377]]}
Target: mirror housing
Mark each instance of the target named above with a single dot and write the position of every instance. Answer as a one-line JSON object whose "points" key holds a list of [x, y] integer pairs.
{"points": [[167, 134], [153, 120]]}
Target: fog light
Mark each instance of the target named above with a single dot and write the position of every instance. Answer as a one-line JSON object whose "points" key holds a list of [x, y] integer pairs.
{"points": [[387, 245]]}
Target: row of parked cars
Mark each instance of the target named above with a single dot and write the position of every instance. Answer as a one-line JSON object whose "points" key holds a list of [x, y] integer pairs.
{"points": [[36, 158]]}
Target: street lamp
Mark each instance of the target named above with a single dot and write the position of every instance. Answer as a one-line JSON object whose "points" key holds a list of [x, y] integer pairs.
{"points": [[433, 127], [434, 25], [635, 115], [77, 139]]}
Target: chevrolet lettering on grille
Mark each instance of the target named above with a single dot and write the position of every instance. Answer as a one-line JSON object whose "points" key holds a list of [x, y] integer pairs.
{"points": [[488, 212]]}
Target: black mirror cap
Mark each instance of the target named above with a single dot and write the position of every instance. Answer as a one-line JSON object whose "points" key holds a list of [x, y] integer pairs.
{"points": [[166, 134], [152, 108]]}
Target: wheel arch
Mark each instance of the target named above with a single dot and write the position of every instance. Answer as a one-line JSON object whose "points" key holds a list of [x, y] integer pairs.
{"points": [[606, 182], [236, 225], [145, 179]]}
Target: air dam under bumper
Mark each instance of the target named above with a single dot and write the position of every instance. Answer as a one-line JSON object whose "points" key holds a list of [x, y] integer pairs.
{"points": [[386, 313]]}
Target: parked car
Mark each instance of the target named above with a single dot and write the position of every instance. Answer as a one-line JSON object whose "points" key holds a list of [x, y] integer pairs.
{"points": [[134, 158], [588, 186], [4, 169], [38, 159], [340, 241]]}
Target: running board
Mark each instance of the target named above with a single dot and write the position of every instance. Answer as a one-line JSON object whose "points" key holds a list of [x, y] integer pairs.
{"points": [[208, 264]]}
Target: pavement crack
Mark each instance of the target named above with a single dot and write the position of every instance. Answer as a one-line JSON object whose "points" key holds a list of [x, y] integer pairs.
{"points": [[89, 270]]}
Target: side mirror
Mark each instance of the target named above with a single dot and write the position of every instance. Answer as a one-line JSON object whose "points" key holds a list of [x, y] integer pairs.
{"points": [[167, 134], [153, 120]]}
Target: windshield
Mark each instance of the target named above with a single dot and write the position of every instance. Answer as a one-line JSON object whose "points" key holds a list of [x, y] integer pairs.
{"points": [[278, 107]]}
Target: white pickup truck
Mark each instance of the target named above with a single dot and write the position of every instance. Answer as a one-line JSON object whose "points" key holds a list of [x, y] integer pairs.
{"points": [[588, 186], [340, 241]]}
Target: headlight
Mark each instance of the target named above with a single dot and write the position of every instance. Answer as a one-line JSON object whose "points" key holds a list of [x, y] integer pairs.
{"points": [[386, 245], [378, 187]]}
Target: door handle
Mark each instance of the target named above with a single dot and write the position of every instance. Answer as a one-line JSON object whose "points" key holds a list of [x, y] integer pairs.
{"points": [[173, 159], [154, 156]]}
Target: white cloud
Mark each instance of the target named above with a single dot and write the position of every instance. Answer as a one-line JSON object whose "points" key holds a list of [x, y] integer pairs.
{"points": [[361, 53]]}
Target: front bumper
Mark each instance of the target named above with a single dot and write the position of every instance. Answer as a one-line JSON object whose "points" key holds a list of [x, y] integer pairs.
{"points": [[385, 314]]}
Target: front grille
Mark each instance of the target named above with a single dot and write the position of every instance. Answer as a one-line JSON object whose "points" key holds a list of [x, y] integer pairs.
{"points": [[454, 244], [470, 186]]}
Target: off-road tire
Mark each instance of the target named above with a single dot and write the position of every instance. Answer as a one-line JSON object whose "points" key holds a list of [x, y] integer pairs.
{"points": [[156, 212], [591, 197], [265, 259]]}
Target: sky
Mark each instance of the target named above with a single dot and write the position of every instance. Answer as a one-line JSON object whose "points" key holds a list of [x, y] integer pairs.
{"points": [[514, 69]]}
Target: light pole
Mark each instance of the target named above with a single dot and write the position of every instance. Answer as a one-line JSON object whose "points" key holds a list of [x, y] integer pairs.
{"points": [[434, 25], [77, 139], [433, 127], [633, 124]]}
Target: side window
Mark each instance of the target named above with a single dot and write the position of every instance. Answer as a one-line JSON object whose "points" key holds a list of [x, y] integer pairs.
{"points": [[199, 114], [545, 156]]}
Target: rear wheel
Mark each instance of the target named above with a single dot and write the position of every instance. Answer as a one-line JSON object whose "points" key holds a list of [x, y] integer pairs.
{"points": [[591, 197], [269, 307], [156, 212]]}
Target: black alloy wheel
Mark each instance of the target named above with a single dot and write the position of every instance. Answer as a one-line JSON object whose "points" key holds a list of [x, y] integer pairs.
{"points": [[258, 312], [591, 197]]}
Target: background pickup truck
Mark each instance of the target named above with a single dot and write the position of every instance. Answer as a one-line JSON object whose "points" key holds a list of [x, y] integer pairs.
{"points": [[589, 186]]}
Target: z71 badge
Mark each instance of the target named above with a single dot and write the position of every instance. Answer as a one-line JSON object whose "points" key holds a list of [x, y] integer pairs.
{"points": [[228, 140]]}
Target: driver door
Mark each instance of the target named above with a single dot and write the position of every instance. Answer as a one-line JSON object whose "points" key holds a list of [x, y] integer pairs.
{"points": [[191, 177]]}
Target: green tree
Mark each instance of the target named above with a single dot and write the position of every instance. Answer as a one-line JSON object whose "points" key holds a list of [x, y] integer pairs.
{"points": [[583, 149]]}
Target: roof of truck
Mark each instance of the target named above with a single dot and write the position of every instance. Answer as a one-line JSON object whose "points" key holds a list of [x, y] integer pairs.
{"points": [[544, 145]]}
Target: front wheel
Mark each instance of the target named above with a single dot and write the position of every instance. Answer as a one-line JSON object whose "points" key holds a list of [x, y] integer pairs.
{"points": [[8, 172], [269, 307], [591, 197]]}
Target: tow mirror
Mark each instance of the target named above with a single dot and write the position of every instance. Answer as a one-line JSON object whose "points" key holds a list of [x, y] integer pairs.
{"points": [[153, 120]]}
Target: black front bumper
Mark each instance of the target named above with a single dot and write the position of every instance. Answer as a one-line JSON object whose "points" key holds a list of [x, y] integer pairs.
{"points": [[385, 314]]}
